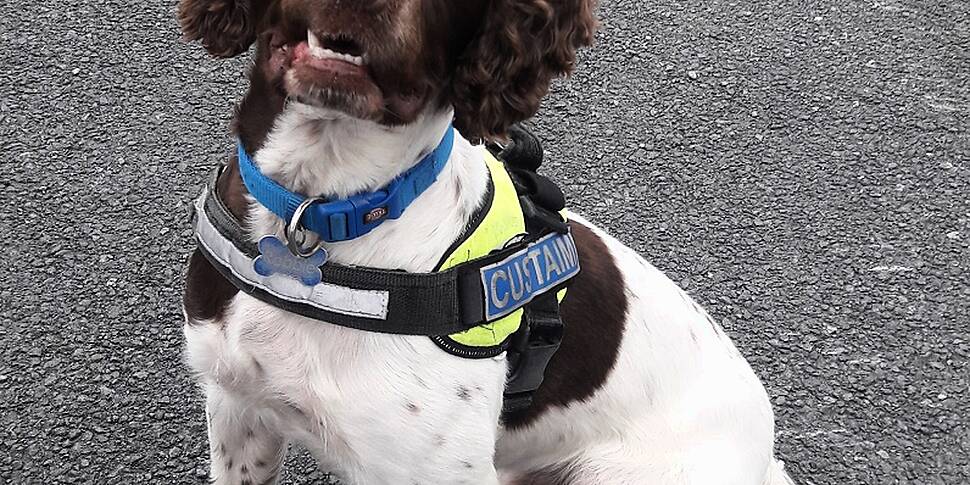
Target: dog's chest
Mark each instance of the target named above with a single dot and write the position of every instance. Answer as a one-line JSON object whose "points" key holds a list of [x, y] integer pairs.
{"points": [[348, 390], [320, 382]]}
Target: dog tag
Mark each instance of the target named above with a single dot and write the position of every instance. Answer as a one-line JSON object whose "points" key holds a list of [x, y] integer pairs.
{"points": [[275, 258]]}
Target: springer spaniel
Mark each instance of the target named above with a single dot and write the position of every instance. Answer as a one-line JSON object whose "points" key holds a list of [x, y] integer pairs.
{"points": [[344, 96]]}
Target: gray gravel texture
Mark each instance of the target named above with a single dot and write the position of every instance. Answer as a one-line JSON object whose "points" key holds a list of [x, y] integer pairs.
{"points": [[801, 168]]}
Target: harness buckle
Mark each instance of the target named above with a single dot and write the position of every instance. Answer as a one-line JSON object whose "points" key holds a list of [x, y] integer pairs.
{"points": [[534, 345]]}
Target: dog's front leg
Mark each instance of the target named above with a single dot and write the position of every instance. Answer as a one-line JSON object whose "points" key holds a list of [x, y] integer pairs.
{"points": [[243, 448]]}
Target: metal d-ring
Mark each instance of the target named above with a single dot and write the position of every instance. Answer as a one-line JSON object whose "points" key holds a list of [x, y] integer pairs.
{"points": [[296, 234]]}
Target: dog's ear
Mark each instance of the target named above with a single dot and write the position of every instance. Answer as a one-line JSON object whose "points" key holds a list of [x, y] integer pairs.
{"points": [[226, 28], [504, 73]]}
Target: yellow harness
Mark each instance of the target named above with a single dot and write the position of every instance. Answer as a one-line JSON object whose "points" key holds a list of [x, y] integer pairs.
{"points": [[503, 222]]}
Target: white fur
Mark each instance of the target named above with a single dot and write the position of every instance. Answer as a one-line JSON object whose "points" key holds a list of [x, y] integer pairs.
{"points": [[386, 409]]}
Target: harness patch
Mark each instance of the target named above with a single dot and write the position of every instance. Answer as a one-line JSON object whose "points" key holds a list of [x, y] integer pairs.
{"points": [[516, 280]]}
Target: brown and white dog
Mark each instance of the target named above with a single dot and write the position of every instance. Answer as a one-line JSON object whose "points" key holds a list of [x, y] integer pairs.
{"points": [[344, 96]]}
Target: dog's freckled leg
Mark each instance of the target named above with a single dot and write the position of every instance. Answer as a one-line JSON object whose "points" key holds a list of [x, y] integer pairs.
{"points": [[248, 450]]}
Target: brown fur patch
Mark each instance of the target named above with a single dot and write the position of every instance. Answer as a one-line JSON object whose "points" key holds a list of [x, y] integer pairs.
{"points": [[523, 46], [233, 192], [225, 27], [594, 313], [207, 293]]}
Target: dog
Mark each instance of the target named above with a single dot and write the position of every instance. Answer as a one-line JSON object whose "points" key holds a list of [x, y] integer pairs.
{"points": [[344, 97]]}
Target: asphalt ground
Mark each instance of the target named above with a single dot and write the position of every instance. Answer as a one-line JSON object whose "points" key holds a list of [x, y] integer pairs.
{"points": [[801, 168]]}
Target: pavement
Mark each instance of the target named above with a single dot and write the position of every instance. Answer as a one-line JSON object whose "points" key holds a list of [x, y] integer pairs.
{"points": [[801, 168]]}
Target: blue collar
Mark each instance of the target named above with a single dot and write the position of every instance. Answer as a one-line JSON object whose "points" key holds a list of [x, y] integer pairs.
{"points": [[342, 220]]}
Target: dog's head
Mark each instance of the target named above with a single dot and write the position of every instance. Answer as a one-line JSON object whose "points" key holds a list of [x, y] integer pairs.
{"points": [[389, 60]]}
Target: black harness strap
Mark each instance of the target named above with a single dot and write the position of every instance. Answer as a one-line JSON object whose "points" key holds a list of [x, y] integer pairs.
{"points": [[532, 347], [439, 303]]}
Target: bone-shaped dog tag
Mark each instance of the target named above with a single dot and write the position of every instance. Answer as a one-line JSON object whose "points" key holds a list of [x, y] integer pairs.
{"points": [[275, 258]]}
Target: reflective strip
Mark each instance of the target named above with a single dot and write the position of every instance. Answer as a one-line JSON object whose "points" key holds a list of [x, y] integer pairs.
{"points": [[323, 296]]}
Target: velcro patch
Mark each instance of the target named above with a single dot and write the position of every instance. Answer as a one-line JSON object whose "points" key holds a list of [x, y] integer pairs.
{"points": [[511, 283]]}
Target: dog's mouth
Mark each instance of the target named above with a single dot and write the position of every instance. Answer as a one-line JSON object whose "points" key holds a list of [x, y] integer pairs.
{"points": [[333, 70]]}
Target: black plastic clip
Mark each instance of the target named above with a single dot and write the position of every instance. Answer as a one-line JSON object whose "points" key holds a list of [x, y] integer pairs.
{"points": [[532, 347]]}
